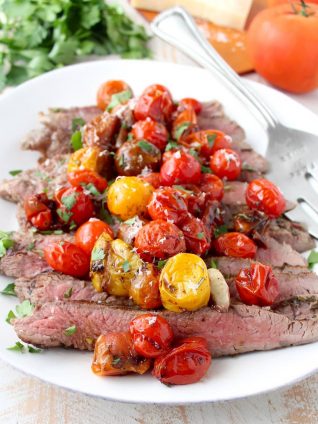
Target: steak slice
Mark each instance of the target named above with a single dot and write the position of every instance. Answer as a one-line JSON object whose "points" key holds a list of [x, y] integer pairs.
{"points": [[242, 329], [278, 255]]}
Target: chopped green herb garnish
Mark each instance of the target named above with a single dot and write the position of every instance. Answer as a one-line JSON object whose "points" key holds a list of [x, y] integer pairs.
{"points": [[98, 254], [65, 216], [30, 246], [76, 140], [172, 145], [118, 99], [5, 242], [312, 259], [70, 330], [105, 215], [214, 264], [92, 189], [9, 290], [222, 229], [205, 170], [11, 315], [68, 293], [161, 263], [200, 236], [126, 266], [130, 137], [18, 347], [121, 161], [180, 187], [69, 201], [211, 140], [181, 129], [194, 153], [15, 172], [72, 226], [32, 349], [77, 123], [146, 146], [25, 309], [116, 361]]}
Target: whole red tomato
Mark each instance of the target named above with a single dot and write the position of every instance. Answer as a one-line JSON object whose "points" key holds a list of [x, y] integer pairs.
{"points": [[152, 335], [85, 178], [159, 239], [265, 196], [213, 186], [168, 204], [207, 142], [156, 103], [234, 244], [226, 163], [152, 131], [188, 102], [67, 258], [181, 168], [257, 285], [283, 44], [196, 237], [108, 89], [185, 364], [74, 205], [87, 234]]}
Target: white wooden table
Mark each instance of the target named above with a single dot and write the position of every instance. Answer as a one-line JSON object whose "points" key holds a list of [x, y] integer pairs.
{"points": [[25, 400]]}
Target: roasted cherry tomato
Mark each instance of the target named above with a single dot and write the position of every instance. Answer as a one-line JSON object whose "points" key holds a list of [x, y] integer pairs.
{"points": [[101, 131], [115, 355], [144, 287], [67, 258], [257, 285], [159, 239], [234, 244], [153, 178], [184, 283], [152, 131], [191, 103], [185, 364], [156, 103], [207, 142], [213, 186], [195, 234], [167, 203], [88, 233], [135, 156], [226, 163], [193, 196], [37, 211], [108, 89], [86, 178], [74, 205], [212, 216], [152, 335], [128, 196], [264, 196], [90, 158], [184, 123], [181, 168]]}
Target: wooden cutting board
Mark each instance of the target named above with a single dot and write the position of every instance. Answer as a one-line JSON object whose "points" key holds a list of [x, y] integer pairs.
{"points": [[230, 43]]}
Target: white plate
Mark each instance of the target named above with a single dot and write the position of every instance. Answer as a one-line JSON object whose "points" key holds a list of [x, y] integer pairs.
{"points": [[228, 378]]}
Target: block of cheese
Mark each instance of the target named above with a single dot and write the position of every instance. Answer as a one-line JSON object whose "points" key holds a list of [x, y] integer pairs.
{"points": [[230, 13]]}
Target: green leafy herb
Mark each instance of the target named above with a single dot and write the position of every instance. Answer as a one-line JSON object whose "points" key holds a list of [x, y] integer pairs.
{"points": [[118, 99], [126, 266], [211, 140], [18, 347], [69, 201], [312, 259], [65, 216], [15, 172], [181, 129], [116, 361], [214, 264], [194, 153], [200, 236], [222, 229], [205, 170], [9, 290], [98, 254], [48, 232], [77, 123], [161, 263], [92, 189], [70, 330], [5, 242], [11, 315], [30, 246], [130, 137], [172, 145], [76, 140], [72, 226], [180, 187], [146, 146], [68, 293], [25, 309], [121, 161], [39, 35], [32, 349]]}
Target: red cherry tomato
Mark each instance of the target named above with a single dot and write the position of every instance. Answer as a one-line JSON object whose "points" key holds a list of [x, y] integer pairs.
{"points": [[152, 131], [168, 204], [234, 244], [144, 287], [213, 186], [152, 335], [185, 364], [67, 258], [42, 221], [156, 103], [85, 177], [264, 196], [226, 163], [106, 91], [191, 103], [181, 168], [37, 211], [159, 239], [152, 178], [74, 205], [195, 234], [257, 285], [207, 142], [87, 234], [193, 196], [184, 123]]}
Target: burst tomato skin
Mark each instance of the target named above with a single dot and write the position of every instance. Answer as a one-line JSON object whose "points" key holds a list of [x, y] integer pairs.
{"points": [[264, 196], [106, 91], [144, 287], [189, 102], [37, 211], [185, 364], [168, 204], [181, 168], [152, 335], [226, 163], [156, 103], [152, 131], [213, 187], [87, 234], [159, 239], [85, 177], [257, 285], [195, 234], [234, 244], [207, 142], [74, 205], [153, 178], [67, 258]]}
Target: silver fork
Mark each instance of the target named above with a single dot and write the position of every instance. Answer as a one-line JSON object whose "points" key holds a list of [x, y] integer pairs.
{"points": [[293, 154]]}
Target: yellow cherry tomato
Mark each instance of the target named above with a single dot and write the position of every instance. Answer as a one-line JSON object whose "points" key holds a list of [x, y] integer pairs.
{"points": [[184, 283], [129, 196], [90, 158]]}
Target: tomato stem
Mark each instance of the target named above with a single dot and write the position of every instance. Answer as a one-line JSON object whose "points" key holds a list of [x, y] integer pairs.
{"points": [[303, 11]]}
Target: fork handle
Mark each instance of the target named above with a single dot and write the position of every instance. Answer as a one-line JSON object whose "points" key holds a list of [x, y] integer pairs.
{"points": [[177, 27]]}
